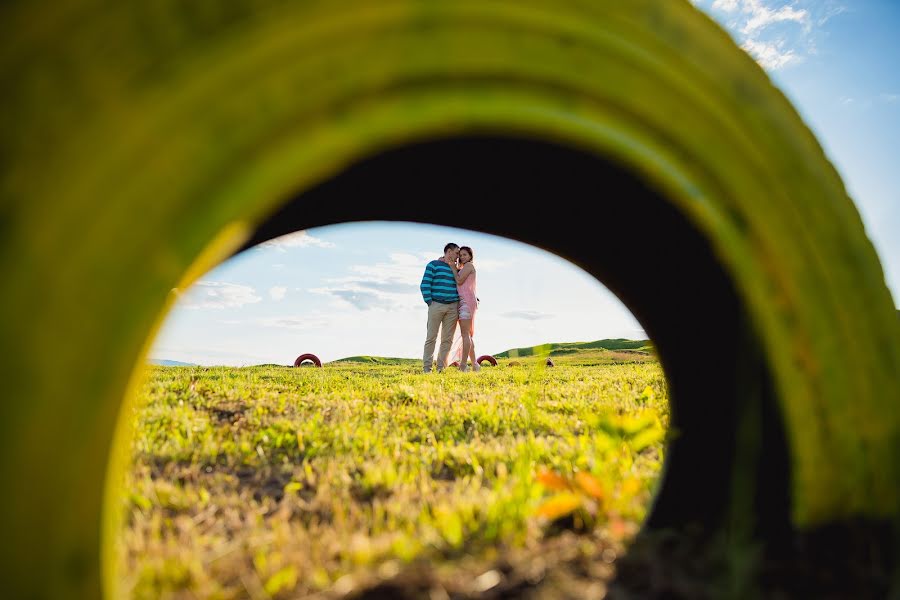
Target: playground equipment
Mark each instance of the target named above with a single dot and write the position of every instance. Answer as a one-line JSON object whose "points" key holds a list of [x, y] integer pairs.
{"points": [[487, 358], [308, 357], [142, 147], [481, 360]]}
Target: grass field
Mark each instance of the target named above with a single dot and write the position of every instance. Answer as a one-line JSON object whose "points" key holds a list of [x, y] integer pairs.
{"points": [[370, 479]]}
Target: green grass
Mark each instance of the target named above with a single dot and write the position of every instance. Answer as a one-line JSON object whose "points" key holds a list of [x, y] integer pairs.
{"points": [[277, 482]]}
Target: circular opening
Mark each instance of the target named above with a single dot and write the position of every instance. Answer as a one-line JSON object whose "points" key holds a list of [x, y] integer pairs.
{"points": [[603, 219]]}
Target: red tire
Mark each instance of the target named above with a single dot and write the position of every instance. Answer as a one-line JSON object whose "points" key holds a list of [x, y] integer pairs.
{"points": [[455, 364], [310, 357], [489, 358]]}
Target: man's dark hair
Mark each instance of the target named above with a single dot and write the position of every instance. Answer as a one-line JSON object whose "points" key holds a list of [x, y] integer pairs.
{"points": [[450, 246]]}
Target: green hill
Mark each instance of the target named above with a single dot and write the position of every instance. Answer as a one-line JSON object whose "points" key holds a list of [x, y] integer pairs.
{"points": [[577, 349], [378, 360], [562, 348], [169, 363]]}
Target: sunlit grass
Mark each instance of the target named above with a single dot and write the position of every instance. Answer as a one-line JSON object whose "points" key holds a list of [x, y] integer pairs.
{"points": [[277, 482]]}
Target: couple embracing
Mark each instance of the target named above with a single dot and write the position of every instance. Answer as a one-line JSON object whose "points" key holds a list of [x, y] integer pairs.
{"points": [[448, 288]]}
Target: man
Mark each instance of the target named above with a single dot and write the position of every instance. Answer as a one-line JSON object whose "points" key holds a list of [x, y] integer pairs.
{"points": [[439, 292]]}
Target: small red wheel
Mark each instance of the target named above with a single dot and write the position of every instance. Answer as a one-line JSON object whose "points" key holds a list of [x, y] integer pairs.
{"points": [[310, 357], [489, 358], [455, 364]]}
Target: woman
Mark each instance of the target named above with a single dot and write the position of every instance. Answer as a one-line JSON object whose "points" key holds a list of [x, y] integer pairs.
{"points": [[464, 346]]}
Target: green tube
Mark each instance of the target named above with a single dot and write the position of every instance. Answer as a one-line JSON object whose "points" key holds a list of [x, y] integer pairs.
{"points": [[140, 143]]}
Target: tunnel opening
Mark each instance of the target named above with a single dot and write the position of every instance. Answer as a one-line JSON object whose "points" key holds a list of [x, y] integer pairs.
{"points": [[726, 432]]}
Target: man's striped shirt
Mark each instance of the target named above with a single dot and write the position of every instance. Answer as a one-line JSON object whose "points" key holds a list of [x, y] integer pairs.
{"points": [[439, 283]]}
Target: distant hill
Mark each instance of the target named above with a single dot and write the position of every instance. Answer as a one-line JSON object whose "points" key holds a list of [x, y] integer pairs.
{"points": [[561, 348], [379, 360], [169, 363], [556, 349]]}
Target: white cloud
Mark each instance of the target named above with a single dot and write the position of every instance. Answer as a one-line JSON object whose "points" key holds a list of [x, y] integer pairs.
{"points": [[363, 299], [367, 299], [277, 292], [867, 102], [760, 16], [755, 15], [772, 55], [776, 33], [528, 315], [299, 239], [385, 285], [294, 322], [402, 266], [831, 10], [726, 5], [218, 295], [389, 285]]}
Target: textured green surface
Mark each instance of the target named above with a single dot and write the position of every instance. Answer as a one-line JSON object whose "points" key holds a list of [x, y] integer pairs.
{"points": [[132, 135]]}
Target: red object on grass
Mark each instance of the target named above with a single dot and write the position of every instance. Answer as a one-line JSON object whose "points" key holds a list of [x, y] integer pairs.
{"points": [[310, 357]]}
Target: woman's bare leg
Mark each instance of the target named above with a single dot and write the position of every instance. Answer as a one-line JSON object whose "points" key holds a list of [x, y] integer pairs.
{"points": [[475, 365], [465, 326]]}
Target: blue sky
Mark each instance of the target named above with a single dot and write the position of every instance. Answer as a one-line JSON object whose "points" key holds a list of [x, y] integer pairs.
{"points": [[353, 289], [839, 64]]}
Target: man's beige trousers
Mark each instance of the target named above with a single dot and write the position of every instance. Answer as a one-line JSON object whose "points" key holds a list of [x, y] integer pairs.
{"points": [[443, 316]]}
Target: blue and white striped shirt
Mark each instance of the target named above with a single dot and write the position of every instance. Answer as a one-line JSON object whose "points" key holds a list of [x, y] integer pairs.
{"points": [[439, 283]]}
